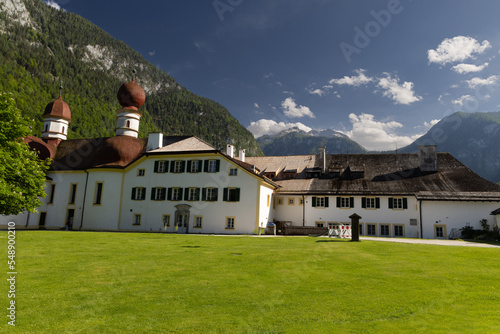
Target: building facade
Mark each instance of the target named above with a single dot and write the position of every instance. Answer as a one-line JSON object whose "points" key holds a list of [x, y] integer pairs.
{"points": [[181, 184]]}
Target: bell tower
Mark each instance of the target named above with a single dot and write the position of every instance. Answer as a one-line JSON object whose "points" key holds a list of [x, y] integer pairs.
{"points": [[57, 117], [131, 97]]}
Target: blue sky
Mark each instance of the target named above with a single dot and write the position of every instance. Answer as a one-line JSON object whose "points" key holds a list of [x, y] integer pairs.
{"points": [[380, 71]]}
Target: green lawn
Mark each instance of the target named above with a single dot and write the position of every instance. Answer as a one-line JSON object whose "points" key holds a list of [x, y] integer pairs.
{"points": [[82, 282]]}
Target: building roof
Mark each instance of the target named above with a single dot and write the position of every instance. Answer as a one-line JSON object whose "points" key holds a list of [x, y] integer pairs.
{"points": [[380, 174], [183, 144], [58, 109], [496, 212]]}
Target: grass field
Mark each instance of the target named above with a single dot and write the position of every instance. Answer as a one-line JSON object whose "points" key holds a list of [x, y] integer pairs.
{"points": [[83, 282]]}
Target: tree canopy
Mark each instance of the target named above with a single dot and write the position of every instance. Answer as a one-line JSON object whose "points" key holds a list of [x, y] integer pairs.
{"points": [[22, 173]]}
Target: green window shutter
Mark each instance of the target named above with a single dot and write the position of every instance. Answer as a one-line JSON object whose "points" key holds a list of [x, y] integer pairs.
{"points": [[314, 202], [226, 191], [351, 202], [377, 203], [200, 166], [327, 200], [363, 202], [390, 203], [153, 193], [338, 202], [186, 194], [216, 198], [156, 166], [133, 193], [143, 197], [172, 166], [163, 193], [183, 166], [205, 166], [217, 166], [237, 194], [405, 203], [204, 194], [180, 192], [197, 196], [169, 195], [189, 164]]}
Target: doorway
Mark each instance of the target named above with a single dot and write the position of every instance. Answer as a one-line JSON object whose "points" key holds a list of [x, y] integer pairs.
{"points": [[182, 215], [69, 219], [41, 221]]}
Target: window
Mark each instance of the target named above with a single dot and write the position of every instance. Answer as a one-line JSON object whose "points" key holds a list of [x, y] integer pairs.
{"points": [[72, 193], [137, 219], [197, 221], [399, 230], [268, 200], [385, 230], [128, 124], [398, 203], [439, 231], [371, 229], [161, 166], [166, 221], [158, 194], [98, 193], [175, 194], [212, 166], [138, 193], [370, 203], [233, 171], [231, 194], [320, 224], [210, 194], [192, 194], [360, 228], [301, 201], [63, 130], [141, 172], [279, 200], [194, 166], [51, 194], [345, 202], [229, 223], [177, 166], [291, 201], [320, 202]]}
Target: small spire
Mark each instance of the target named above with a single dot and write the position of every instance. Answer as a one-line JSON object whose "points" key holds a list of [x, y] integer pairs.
{"points": [[134, 72]]}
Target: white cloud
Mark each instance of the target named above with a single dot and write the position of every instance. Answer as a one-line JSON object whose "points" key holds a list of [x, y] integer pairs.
{"points": [[53, 4], [355, 80], [288, 92], [454, 86], [476, 82], [256, 105], [152, 53], [269, 127], [400, 94], [431, 123], [317, 91], [291, 109], [458, 48], [468, 68], [375, 135], [462, 99]]}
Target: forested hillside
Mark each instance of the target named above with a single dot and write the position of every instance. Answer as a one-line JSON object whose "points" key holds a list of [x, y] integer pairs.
{"points": [[40, 47]]}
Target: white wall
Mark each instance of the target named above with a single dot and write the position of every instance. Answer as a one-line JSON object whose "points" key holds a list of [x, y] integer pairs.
{"points": [[213, 213], [455, 215]]}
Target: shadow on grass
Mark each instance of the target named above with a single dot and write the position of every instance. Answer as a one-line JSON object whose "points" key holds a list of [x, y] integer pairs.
{"points": [[334, 240]]}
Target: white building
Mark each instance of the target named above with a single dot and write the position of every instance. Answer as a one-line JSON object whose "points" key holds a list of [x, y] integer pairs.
{"points": [[180, 184]]}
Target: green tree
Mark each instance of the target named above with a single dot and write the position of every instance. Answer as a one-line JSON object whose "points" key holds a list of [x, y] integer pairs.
{"points": [[22, 173]]}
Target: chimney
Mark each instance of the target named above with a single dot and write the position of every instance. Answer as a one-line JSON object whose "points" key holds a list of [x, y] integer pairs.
{"points": [[155, 141], [322, 159], [427, 158], [242, 155], [230, 150]]}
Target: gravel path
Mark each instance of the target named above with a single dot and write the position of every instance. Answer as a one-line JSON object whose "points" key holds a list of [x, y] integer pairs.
{"points": [[434, 242]]}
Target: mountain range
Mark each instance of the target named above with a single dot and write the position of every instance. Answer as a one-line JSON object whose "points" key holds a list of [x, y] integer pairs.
{"points": [[473, 138], [42, 47]]}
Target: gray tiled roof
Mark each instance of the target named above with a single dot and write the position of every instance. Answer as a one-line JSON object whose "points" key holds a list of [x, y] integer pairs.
{"points": [[381, 174]]}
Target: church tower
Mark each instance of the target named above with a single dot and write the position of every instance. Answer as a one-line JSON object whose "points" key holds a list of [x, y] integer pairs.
{"points": [[57, 117], [131, 97]]}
